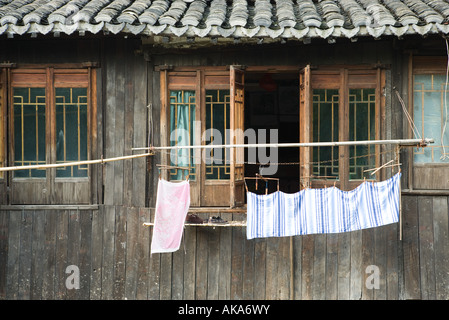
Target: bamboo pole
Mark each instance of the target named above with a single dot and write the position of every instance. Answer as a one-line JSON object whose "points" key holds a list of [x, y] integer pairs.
{"points": [[75, 163], [402, 142]]}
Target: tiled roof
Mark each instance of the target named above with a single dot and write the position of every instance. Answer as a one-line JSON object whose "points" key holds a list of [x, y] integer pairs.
{"points": [[241, 19]]}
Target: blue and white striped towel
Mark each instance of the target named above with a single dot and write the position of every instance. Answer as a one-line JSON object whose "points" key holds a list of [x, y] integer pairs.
{"points": [[329, 210]]}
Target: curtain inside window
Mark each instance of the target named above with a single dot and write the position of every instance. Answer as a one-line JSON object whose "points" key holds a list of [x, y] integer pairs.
{"points": [[182, 115]]}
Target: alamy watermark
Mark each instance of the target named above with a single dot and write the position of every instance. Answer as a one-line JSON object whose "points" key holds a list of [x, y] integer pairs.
{"points": [[267, 157], [373, 279], [73, 280]]}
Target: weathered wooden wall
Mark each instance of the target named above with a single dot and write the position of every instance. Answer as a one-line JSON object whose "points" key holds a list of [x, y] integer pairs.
{"points": [[111, 247], [124, 122]]}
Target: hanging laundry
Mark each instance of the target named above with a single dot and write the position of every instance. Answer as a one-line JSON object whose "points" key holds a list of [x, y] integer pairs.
{"points": [[329, 210], [172, 205]]}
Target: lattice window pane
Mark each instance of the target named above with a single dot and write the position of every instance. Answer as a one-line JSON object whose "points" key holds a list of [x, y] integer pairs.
{"points": [[362, 126], [430, 116], [325, 129], [182, 122], [29, 130], [71, 130], [217, 122]]}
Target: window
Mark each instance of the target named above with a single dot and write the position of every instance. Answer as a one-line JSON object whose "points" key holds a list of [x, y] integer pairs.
{"points": [[429, 108], [429, 116], [182, 128], [339, 105], [199, 105], [29, 109], [217, 123], [50, 121], [203, 107]]}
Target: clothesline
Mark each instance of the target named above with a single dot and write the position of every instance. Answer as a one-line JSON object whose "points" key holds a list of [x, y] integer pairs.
{"points": [[399, 142], [402, 142], [320, 161]]}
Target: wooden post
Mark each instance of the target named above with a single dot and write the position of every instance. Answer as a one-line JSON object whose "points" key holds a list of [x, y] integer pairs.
{"points": [[398, 148]]}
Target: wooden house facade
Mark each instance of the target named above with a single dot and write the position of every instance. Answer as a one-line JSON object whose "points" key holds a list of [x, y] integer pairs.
{"points": [[96, 80]]}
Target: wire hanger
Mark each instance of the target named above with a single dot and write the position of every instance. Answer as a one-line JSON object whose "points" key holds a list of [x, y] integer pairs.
{"points": [[266, 179], [169, 167]]}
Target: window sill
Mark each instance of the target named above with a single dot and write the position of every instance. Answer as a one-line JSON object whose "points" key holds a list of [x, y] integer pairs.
{"points": [[208, 224], [241, 209]]}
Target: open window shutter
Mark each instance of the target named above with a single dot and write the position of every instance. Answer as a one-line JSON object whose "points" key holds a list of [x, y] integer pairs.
{"points": [[165, 118], [237, 94], [3, 106], [305, 128]]}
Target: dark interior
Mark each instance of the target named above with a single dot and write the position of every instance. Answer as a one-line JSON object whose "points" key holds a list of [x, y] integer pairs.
{"points": [[272, 102]]}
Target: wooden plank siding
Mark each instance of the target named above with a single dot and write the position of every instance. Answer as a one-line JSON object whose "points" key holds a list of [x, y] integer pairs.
{"points": [[125, 123], [111, 248]]}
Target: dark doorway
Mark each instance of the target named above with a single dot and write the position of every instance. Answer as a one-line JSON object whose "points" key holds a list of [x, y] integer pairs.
{"points": [[272, 102]]}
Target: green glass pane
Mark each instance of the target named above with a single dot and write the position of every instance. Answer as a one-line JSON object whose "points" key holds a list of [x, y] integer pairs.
{"points": [[429, 116], [29, 130], [362, 126], [182, 122], [325, 129], [71, 130], [217, 122]]}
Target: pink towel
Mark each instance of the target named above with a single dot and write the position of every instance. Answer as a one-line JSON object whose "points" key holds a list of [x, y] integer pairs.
{"points": [[172, 205]]}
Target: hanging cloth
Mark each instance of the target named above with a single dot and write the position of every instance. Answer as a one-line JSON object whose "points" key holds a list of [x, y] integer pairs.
{"points": [[317, 211], [172, 205]]}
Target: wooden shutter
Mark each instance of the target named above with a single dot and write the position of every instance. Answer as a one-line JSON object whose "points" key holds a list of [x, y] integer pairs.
{"points": [[3, 104], [305, 128], [237, 93]]}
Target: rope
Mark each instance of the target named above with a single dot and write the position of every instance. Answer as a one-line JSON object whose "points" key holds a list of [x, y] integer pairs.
{"points": [[409, 118], [293, 163]]}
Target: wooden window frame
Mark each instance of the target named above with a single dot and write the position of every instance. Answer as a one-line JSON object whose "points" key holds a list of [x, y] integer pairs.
{"points": [[428, 175], [52, 189], [348, 77], [204, 192], [342, 78]]}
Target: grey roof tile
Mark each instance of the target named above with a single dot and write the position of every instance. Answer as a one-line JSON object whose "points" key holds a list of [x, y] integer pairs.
{"points": [[217, 13], [285, 13], [403, 14], [132, 12], [331, 13], [14, 17], [355, 12], [152, 14], [87, 13], [43, 10], [66, 12], [174, 13], [112, 10], [239, 13], [308, 13], [263, 13], [194, 13], [225, 18], [424, 11]]}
